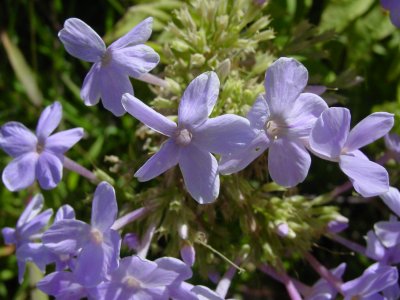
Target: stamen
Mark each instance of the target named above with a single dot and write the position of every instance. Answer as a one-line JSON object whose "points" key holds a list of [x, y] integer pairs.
{"points": [[183, 137], [96, 236], [131, 282], [105, 60]]}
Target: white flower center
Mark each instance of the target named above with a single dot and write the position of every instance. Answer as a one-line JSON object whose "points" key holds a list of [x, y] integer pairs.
{"points": [[107, 57], [131, 282], [275, 129], [183, 137], [96, 236]]}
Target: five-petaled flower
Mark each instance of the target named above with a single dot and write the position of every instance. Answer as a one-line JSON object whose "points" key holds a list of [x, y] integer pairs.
{"points": [[39, 156]]}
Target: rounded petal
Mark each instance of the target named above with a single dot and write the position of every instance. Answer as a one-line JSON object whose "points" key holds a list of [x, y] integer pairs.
{"points": [[81, 41], [136, 60], [388, 233], [104, 207], [62, 141], [148, 116], [200, 173], [285, 79], [91, 91], [288, 162], [48, 121], [65, 212], [175, 265], [49, 170], [138, 35], [9, 235], [368, 130], [16, 139], [199, 99], [368, 178], [20, 173], [375, 248], [135, 266], [330, 131], [259, 113], [62, 285], [224, 135], [238, 161], [392, 200]]}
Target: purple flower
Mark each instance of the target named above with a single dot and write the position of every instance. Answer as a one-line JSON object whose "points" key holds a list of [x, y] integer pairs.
{"points": [[192, 141], [108, 78], [332, 139], [394, 7], [39, 156], [392, 142], [377, 251], [282, 121], [98, 244]]}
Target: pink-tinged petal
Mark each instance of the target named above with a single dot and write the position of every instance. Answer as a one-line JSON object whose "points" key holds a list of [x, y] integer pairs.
{"points": [[330, 132], [114, 83], [288, 162], [368, 178], [392, 200], [104, 207], [20, 173], [238, 161], [49, 170], [198, 100], [66, 236], [16, 139], [91, 88], [148, 116], [200, 173], [224, 135], [166, 158], [48, 121], [388, 233], [368, 130], [136, 60], [285, 79], [138, 35], [259, 113], [81, 41], [305, 112], [32, 210], [62, 141]]}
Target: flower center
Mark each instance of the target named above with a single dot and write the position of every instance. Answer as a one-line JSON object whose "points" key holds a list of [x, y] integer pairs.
{"points": [[96, 236], [39, 148], [105, 60], [275, 129], [131, 282], [183, 137]]}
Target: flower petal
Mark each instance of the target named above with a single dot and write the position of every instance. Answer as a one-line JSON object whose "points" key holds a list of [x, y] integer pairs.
{"points": [[65, 212], [91, 88], [104, 207], [388, 233], [368, 130], [166, 158], [375, 248], [32, 210], [62, 141], [147, 115], [200, 173], [199, 99], [285, 79], [49, 170], [138, 35], [136, 60], [20, 173], [259, 113], [35, 225], [16, 139], [392, 200], [81, 41], [9, 235], [238, 161], [368, 178], [225, 134], [48, 121], [330, 131], [288, 162], [62, 285], [176, 266]]}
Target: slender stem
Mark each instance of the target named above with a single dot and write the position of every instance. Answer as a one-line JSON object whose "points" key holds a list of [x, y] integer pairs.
{"points": [[324, 272], [349, 244], [144, 246], [77, 168], [130, 217], [226, 280], [152, 79]]}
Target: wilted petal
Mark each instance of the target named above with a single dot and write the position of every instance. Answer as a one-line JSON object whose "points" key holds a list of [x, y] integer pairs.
{"points": [[64, 212], [388, 233], [49, 170], [198, 99], [392, 200], [16, 139], [20, 173], [288, 162], [81, 41], [136, 60], [285, 79], [48, 121], [104, 207], [238, 161], [224, 135], [330, 131], [368, 130], [62, 285], [91, 91], [200, 173], [138, 35], [62, 141], [148, 116], [368, 178], [259, 113]]}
